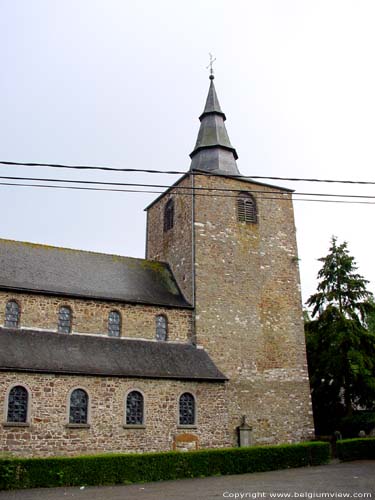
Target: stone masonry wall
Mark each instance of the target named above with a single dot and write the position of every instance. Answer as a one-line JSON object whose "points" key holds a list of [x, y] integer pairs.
{"points": [[248, 309], [173, 246], [91, 316], [48, 433], [248, 304]]}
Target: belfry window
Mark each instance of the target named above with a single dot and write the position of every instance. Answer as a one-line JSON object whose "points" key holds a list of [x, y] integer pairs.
{"points": [[187, 409], [168, 215], [246, 208], [65, 320], [17, 404], [134, 408], [12, 315], [161, 327], [114, 324], [79, 406]]}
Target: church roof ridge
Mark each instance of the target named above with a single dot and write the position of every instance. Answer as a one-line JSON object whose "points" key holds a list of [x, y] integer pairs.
{"points": [[47, 246]]}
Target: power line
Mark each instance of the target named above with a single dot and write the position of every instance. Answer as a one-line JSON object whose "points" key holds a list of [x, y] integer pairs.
{"points": [[183, 188], [80, 188], [90, 167], [180, 172]]}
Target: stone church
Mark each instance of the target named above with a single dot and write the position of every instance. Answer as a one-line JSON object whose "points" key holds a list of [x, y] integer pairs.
{"points": [[104, 353]]}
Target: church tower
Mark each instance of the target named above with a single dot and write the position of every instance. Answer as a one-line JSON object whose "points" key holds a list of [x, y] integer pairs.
{"points": [[230, 242]]}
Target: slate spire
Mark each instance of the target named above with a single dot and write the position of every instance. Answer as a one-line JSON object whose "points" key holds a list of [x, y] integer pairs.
{"points": [[213, 151]]}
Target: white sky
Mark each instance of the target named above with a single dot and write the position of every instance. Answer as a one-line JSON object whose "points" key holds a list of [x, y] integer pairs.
{"points": [[122, 83]]}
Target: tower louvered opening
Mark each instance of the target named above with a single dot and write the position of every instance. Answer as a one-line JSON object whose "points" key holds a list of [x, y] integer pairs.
{"points": [[246, 208]]}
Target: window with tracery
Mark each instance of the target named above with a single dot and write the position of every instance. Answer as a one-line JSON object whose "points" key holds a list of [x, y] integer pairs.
{"points": [[114, 324], [12, 314], [161, 327], [246, 208], [169, 215], [187, 409], [17, 404], [65, 320], [134, 408], [78, 408]]}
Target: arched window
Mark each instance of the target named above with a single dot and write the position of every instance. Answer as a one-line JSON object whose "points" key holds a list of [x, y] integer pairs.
{"points": [[78, 408], [114, 324], [246, 208], [17, 404], [12, 314], [169, 215], [187, 409], [161, 327], [65, 320], [134, 408]]}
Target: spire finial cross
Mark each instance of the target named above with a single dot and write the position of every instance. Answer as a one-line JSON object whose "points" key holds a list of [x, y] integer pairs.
{"points": [[212, 60]]}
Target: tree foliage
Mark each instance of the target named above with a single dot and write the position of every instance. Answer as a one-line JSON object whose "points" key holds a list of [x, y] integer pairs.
{"points": [[340, 346], [340, 286]]}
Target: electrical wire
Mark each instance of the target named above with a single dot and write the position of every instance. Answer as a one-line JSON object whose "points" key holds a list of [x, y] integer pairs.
{"points": [[183, 188], [90, 167], [180, 172], [50, 186]]}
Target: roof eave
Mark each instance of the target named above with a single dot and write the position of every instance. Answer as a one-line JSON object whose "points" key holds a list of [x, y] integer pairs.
{"points": [[241, 178], [168, 190], [217, 379], [56, 293], [213, 146]]}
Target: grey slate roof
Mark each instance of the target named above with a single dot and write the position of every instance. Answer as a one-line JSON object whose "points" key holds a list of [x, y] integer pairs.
{"points": [[77, 273], [212, 102], [50, 352], [213, 151]]}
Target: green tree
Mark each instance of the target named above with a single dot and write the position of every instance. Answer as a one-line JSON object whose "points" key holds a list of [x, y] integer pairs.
{"points": [[340, 346]]}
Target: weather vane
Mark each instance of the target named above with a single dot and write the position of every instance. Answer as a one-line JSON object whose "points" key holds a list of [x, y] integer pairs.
{"points": [[212, 60]]}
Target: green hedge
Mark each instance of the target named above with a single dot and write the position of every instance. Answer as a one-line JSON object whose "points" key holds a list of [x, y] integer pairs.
{"points": [[359, 421], [138, 468], [356, 449]]}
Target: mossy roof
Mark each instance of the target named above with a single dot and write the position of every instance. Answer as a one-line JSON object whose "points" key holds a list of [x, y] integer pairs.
{"points": [[82, 354], [45, 269]]}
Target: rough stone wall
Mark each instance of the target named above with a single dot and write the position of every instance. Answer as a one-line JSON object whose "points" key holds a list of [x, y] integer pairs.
{"points": [[48, 433], [91, 316], [248, 309], [173, 246]]}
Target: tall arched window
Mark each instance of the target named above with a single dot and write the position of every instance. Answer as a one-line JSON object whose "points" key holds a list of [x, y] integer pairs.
{"points": [[187, 409], [134, 408], [17, 404], [114, 324], [161, 327], [78, 407], [246, 208], [12, 314], [169, 215], [65, 320]]}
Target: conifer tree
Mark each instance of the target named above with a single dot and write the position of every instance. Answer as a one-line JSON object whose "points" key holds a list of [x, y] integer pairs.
{"points": [[340, 347]]}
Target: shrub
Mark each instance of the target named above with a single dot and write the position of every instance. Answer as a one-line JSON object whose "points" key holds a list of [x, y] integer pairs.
{"points": [[137, 468], [356, 449], [361, 421]]}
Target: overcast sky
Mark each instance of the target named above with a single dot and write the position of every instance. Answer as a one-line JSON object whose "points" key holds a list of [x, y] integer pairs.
{"points": [[122, 83]]}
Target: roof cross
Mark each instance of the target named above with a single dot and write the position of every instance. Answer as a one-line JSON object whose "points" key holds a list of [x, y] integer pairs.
{"points": [[212, 60]]}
